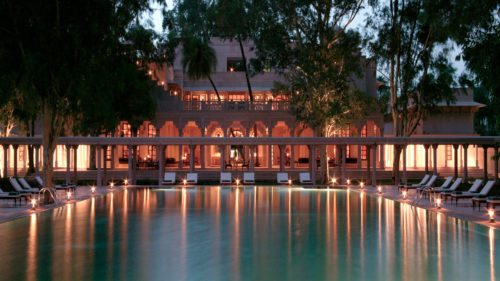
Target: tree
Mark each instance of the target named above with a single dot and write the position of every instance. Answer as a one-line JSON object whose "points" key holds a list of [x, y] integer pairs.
{"points": [[410, 45], [198, 60], [309, 42], [52, 48]]}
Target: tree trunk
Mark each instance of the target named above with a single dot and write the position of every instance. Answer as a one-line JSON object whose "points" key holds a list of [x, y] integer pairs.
{"points": [[250, 94], [50, 135], [92, 158], [31, 162], [215, 88], [395, 165], [323, 158]]}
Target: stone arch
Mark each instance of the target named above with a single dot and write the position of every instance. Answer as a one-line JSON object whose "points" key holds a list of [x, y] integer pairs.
{"points": [[236, 129]]}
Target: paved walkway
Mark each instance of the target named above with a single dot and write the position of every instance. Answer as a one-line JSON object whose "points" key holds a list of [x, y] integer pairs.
{"points": [[463, 211]]}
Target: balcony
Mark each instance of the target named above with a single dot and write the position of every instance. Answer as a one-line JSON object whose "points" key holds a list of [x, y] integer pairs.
{"points": [[271, 106]]}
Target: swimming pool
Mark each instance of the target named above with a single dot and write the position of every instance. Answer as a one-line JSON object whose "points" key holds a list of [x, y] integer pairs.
{"points": [[255, 233]]}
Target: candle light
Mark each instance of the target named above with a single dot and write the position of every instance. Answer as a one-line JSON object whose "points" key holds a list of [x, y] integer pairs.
{"points": [[404, 194], [348, 181], [69, 196], [438, 203], [125, 181], [237, 181], [289, 182], [362, 184], [184, 181], [33, 204], [112, 184], [92, 189], [491, 213], [379, 188], [334, 181]]}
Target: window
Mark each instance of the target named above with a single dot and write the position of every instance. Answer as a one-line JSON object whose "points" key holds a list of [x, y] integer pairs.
{"points": [[236, 97], [151, 148], [235, 64], [364, 134], [125, 131]]}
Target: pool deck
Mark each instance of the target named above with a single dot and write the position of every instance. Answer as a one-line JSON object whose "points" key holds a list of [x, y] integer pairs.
{"points": [[463, 211]]}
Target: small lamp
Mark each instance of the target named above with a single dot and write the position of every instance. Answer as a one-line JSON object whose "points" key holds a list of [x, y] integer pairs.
{"points": [[92, 190], [404, 194], [237, 181], [379, 188], [33, 204], [125, 181], [69, 196], [111, 185], [334, 181], [184, 181], [289, 182], [348, 181], [491, 213], [362, 184], [438, 203]]}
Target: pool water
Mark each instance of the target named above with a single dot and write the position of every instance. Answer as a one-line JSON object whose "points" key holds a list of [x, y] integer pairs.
{"points": [[255, 233]]}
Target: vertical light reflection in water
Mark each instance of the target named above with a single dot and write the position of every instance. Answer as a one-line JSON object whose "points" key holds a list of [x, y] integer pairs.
{"points": [[91, 234], [289, 227], [328, 234], [32, 246], [491, 236], [362, 233], [335, 234], [379, 212], [110, 233], [390, 235], [236, 236], [67, 243], [123, 234], [183, 249], [403, 233], [348, 215], [439, 257]]}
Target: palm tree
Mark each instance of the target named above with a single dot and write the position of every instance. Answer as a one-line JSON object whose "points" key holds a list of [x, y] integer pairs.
{"points": [[198, 60]]}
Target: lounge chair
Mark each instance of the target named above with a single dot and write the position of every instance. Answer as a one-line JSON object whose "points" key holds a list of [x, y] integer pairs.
{"points": [[282, 178], [473, 190], [446, 192], [431, 189], [11, 196], [168, 178], [64, 187], [483, 198], [305, 178], [484, 192], [27, 186], [192, 178], [413, 186], [225, 178], [492, 202], [17, 187], [248, 178], [426, 185]]}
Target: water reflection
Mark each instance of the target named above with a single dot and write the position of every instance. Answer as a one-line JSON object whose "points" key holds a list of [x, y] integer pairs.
{"points": [[221, 233]]}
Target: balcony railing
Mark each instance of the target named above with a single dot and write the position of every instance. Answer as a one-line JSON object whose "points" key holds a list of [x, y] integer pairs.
{"points": [[236, 106]]}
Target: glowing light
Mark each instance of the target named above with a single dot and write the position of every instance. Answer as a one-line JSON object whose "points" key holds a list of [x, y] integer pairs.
{"points": [[231, 69], [334, 181], [92, 189], [379, 188], [112, 184], [125, 181], [33, 204], [348, 181], [289, 182], [438, 203], [69, 196], [404, 194], [237, 181], [362, 184], [491, 213], [150, 72], [184, 181]]}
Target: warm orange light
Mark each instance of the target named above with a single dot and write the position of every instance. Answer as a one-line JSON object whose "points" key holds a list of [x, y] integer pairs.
{"points": [[491, 213], [33, 204], [404, 194], [348, 181], [184, 181], [237, 181], [379, 188], [334, 181], [438, 202], [289, 182], [125, 181], [112, 184], [362, 184], [69, 196], [150, 72], [231, 69]]}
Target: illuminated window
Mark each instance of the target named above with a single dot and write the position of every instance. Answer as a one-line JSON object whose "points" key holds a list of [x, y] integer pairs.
{"points": [[235, 64], [151, 148], [364, 134], [448, 152], [125, 131]]}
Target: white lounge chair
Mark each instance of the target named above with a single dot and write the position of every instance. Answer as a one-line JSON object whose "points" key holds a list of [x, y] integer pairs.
{"points": [[483, 195], [225, 178], [282, 178], [305, 178], [454, 186], [473, 189], [17, 187], [169, 178], [64, 187], [484, 192], [26, 185], [430, 189], [416, 185], [425, 186], [248, 178], [192, 178]]}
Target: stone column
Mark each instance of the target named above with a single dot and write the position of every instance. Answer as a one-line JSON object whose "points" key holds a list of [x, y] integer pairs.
{"points": [[270, 157], [68, 164], [342, 149], [99, 163], [382, 157], [282, 157], [221, 151], [180, 157], [426, 146], [15, 147], [434, 152], [113, 160], [104, 164], [292, 156], [130, 165], [455, 160], [360, 162], [161, 162], [252, 158], [465, 146], [405, 179], [496, 164], [202, 156], [485, 162], [75, 163], [37, 159], [191, 157], [312, 150], [368, 163], [374, 170], [5, 160]]}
